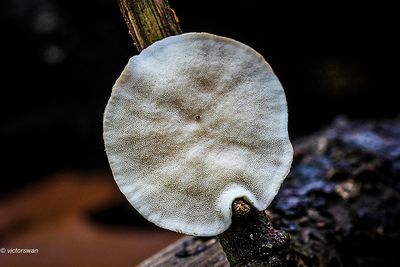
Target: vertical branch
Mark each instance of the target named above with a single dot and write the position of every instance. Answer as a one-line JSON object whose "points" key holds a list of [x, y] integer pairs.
{"points": [[251, 240], [149, 21]]}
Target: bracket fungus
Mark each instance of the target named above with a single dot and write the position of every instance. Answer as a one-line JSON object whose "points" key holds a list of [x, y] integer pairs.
{"points": [[194, 122]]}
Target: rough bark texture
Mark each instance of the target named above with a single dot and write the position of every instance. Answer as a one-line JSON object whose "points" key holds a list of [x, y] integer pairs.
{"points": [[189, 251], [149, 20], [341, 201], [340, 204], [252, 241]]}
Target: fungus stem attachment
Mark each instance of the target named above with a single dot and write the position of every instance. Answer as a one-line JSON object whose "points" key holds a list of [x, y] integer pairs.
{"points": [[240, 207]]}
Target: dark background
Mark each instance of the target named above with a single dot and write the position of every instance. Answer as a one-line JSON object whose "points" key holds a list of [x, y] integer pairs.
{"points": [[60, 59]]}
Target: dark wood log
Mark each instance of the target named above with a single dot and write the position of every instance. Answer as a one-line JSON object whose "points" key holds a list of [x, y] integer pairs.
{"points": [[340, 204], [189, 251], [251, 241]]}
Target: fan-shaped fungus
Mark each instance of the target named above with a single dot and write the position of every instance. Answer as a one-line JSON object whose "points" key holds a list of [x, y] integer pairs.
{"points": [[194, 122]]}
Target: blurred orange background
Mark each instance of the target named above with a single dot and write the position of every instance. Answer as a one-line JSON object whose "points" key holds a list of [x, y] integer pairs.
{"points": [[58, 217]]}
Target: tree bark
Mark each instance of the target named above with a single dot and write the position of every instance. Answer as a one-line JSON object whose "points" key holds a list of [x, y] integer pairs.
{"points": [[252, 240], [149, 21]]}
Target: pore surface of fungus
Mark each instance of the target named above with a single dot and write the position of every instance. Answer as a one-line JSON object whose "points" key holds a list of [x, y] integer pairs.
{"points": [[194, 122]]}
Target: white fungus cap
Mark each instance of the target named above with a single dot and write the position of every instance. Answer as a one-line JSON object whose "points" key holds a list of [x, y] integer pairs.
{"points": [[194, 122]]}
